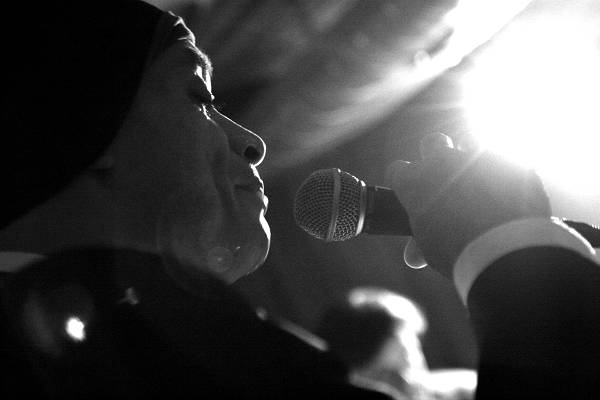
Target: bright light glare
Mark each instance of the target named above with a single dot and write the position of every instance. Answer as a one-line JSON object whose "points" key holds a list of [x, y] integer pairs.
{"points": [[75, 328], [534, 96], [475, 21]]}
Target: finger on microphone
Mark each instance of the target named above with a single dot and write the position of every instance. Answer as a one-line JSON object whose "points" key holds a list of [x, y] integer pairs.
{"points": [[434, 144], [413, 257]]}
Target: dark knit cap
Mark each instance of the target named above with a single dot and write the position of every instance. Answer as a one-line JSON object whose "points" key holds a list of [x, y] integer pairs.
{"points": [[70, 72]]}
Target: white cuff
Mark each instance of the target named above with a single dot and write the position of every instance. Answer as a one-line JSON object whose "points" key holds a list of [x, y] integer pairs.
{"points": [[513, 236]]}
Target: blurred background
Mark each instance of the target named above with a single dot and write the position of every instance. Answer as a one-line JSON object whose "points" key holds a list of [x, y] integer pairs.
{"points": [[355, 85]]}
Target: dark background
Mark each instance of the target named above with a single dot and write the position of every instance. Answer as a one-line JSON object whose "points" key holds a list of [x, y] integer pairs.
{"points": [[348, 84]]}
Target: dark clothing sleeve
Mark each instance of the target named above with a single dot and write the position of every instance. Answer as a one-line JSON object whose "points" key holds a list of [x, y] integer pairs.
{"points": [[536, 315]]}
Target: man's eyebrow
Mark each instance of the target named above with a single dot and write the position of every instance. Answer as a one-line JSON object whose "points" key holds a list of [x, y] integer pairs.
{"points": [[200, 59]]}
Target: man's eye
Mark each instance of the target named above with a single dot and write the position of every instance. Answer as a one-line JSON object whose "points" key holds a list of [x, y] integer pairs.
{"points": [[210, 103], [200, 93], [203, 98], [207, 100]]}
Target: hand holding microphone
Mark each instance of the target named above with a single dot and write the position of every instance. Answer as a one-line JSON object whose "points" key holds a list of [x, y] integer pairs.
{"points": [[444, 201], [452, 197]]}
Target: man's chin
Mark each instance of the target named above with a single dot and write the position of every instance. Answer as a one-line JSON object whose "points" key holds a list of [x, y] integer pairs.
{"points": [[246, 261], [252, 254], [228, 254]]}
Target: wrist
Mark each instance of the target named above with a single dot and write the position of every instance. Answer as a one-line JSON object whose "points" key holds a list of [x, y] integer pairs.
{"points": [[513, 236]]}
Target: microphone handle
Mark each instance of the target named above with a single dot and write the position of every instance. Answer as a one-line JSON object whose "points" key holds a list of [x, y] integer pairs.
{"points": [[384, 215]]}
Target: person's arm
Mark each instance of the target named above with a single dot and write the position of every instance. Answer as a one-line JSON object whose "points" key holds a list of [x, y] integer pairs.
{"points": [[530, 283], [536, 314], [531, 287]]}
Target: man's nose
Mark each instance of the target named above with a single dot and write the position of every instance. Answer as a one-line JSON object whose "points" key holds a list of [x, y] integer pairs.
{"points": [[248, 145]]}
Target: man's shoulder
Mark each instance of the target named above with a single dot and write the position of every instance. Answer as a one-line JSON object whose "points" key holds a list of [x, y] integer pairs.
{"points": [[117, 322]]}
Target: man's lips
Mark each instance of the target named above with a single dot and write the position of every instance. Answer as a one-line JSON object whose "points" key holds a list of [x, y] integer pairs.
{"points": [[255, 188]]}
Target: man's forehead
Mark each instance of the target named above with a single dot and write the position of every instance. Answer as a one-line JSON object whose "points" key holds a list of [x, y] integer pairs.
{"points": [[180, 32]]}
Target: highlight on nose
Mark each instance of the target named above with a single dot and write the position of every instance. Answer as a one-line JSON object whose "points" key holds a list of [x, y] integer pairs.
{"points": [[244, 142], [252, 148]]}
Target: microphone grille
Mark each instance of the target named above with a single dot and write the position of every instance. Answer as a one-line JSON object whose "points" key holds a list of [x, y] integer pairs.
{"points": [[328, 204]]}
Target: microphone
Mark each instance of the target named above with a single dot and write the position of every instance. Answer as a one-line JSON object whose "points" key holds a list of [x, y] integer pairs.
{"points": [[333, 205]]}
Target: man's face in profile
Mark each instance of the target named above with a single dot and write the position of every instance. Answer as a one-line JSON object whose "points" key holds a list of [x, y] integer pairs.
{"points": [[185, 176]]}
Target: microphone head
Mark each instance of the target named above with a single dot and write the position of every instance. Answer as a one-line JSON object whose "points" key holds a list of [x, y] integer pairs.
{"points": [[329, 205]]}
